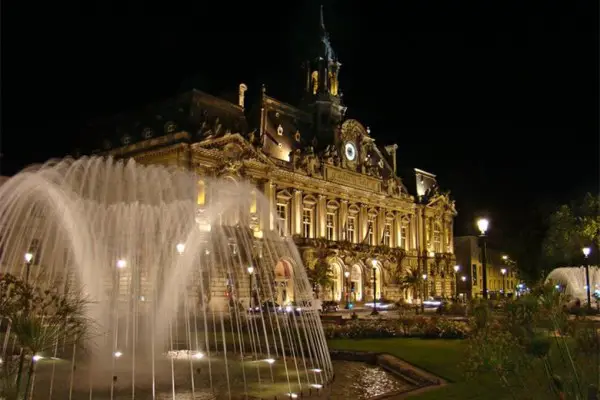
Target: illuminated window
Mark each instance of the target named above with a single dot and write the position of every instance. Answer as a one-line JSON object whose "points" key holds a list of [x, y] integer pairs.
{"points": [[350, 227], [330, 225], [437, 242], [387, 234], [404, 237], [282, 219], [307, 222], [371, 232]]}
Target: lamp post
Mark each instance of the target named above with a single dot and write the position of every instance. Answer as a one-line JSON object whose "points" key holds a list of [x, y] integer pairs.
{"points": [[28, 259], [483, 225], [424, 277], [374, 312], [346, 275], [464, 279], [586, 252], [456, 269], [250, 270], [503, 272]]}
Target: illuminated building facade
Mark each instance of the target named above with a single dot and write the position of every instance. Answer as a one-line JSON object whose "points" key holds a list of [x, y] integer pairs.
{"points": [[501, 270], [331, 187]]}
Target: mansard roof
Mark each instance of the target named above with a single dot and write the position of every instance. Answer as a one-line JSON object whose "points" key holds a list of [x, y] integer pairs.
{"points": [[196, 112]]}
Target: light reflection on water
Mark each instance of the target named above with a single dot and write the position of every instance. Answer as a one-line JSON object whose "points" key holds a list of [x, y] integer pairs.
{"points": [[356, 380]]}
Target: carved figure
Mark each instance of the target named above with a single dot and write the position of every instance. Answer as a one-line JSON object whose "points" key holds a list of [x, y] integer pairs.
{"points": [[392, 187], [252, 137], [218, 126]]}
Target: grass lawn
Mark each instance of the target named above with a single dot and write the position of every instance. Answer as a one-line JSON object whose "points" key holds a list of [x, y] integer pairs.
{"points": [[438, 356]]}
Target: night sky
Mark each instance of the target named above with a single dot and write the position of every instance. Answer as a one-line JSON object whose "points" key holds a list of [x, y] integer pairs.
{"points": [[501, 102]]}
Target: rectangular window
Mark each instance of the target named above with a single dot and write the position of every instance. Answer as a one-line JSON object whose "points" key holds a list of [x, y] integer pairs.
{"points": [[330, 226], [282, 219], [350, 227], [437, 243], [387, 234], [404, 237], [307, 222]]}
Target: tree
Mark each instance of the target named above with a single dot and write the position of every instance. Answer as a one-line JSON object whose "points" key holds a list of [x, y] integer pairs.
{"points": [[412, 280], [37, 319], [318, 269], [570, 228]]}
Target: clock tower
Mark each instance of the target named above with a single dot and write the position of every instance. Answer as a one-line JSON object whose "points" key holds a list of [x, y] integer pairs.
{"points": [[323, 97]]}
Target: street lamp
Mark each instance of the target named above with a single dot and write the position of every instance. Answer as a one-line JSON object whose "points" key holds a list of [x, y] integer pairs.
{"points": [[464, 280], [503, 272], [250, 270], [28, 259], [586, 252], [456, 269], [347, 275], [180, 248], [121, 263], [374, 312], [483, 225]]}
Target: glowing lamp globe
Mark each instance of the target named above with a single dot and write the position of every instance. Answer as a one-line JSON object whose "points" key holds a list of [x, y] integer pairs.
{"points": [[586, 251], [483, 225]]}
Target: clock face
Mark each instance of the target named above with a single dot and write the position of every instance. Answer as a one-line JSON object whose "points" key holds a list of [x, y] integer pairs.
{"points": [[350, 151]]}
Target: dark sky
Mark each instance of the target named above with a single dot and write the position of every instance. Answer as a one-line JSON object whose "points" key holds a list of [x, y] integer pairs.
{"points": [[500, 100]]}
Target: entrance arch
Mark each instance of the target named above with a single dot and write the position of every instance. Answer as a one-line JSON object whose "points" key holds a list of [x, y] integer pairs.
{"points": [[376, 291], [284, 284], [356, 282], [337, 282]]}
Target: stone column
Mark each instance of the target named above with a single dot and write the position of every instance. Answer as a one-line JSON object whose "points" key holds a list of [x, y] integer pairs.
{"points": [[297, 209], [321, 216], [342, 218]]}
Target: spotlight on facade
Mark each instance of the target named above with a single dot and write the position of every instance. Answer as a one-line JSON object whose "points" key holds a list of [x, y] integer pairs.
{"points": [[456, 268], [121, 263], [269, 360], [117, 354]]}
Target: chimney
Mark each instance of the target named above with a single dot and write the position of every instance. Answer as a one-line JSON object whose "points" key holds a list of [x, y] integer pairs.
{"points": [[242, 94], [391, 150]]}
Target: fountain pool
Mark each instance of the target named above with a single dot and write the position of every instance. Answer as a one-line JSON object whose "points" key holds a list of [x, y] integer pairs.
{"points": [[169, 263]]}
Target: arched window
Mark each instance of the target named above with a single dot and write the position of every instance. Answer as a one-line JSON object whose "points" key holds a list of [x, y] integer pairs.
{"points": [[283, 208], [404, 233], [351, 223], [388, 229], [308, 216], [331, 220], [437, 236], [371, 227]]}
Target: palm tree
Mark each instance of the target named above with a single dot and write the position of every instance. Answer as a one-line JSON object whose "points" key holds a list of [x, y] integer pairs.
{"points": [[318, 270], [411, 280]]}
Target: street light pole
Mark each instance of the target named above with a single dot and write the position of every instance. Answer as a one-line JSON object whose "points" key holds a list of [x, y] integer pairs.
{"points": [[483, 225], [28, 259], [251, 272], [586, 253], [346, 275], [375, 312], [456, 269], [503, 272]]}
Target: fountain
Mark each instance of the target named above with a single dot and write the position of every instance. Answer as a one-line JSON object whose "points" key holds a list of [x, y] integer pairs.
{"points": [[169, 280], [573, 281]]}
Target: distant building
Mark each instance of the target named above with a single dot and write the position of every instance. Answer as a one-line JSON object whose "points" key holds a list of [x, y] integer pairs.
{"points": [[330, 185], [468, 256]]}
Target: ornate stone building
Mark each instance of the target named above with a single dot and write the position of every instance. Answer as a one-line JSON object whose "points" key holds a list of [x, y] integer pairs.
{"points": [[331, 187]]}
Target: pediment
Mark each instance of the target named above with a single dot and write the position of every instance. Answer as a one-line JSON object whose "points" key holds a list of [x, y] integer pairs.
{"points": [[234, 146]]}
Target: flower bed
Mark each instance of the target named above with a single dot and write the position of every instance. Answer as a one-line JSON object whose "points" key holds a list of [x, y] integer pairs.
{"points": [[404, 327]]}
